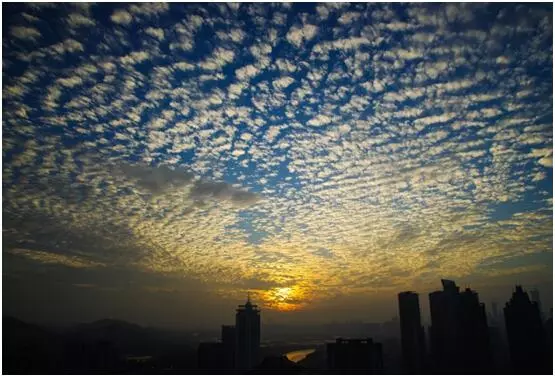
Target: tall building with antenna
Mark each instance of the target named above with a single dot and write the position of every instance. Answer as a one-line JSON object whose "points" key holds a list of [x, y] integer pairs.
{"points": [[247, 326]]}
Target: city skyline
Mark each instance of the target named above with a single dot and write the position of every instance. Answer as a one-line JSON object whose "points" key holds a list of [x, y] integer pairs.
{"points": [[461, 339], [161, 160]]}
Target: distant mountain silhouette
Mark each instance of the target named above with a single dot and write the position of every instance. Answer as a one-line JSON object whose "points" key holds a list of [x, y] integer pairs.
{"points": [[104, 346], [123, 335], [28, 348]]}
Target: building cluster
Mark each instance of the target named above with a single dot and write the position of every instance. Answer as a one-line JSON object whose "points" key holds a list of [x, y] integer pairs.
{"points": [[355, 355], [458, 341], [240, 344], [239, 348], [460, 338]]}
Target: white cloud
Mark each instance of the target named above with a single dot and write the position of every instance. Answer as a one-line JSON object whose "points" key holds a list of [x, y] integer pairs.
{"points": [[237, 35], [155, 32], [297, 36], [422, 123], [25, 32], [220, 57], [502, 60], [545, 154], [78, 20], [149, 9], [135, 57], [247, 72], [348, 17], [283, 82], [319, 120], [122, 17]]}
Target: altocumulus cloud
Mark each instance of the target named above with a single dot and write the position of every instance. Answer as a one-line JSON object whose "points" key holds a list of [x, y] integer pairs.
{"points": [[228, 142]]}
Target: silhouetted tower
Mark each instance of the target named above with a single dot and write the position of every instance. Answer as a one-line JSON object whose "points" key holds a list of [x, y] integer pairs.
{"points": [[476, 351], [459, 331], [535, 296], [211, 356], [444, 330], [412, 333], [355, 355], [247, 325], [525, 334], [229, 341]]}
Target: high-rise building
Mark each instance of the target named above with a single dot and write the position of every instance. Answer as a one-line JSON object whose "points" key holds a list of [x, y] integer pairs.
{"points": [[229, 341], [211, 356], [476, 352], [355, 355], [412, 333], [535, 296], [247, 327], [444, 330], [459, 331], [525, 333]]}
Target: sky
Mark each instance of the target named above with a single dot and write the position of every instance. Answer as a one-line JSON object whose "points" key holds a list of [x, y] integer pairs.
{"points": [[162, 160]]}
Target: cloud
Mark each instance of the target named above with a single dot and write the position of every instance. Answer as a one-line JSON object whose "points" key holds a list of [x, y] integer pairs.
{"points": [[283, 82], [122, 17], [220, 58], [330, 148], [156, 179], [79, 20], [163, 180], [45, 257], [247, 72], [422, 123], [155, 32], [319, 120], [297, 36], [202, 191], [348, 17], [149, 9], [25, 33], [546, 155], [135, 57]]}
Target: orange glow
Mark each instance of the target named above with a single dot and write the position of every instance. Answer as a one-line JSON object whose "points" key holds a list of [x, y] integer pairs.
{"points": [[284, 299]]}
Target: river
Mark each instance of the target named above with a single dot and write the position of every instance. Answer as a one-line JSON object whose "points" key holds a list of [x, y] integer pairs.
{"points": [[296, 356]]}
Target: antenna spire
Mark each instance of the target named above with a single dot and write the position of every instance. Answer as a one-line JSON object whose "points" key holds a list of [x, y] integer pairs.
{"points": [[248, 297]]}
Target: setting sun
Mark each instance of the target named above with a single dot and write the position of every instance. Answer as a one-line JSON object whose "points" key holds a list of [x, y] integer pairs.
{"points": [[285, 298]]}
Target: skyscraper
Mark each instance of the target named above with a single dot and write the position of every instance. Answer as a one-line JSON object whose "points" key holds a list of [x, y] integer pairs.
{"points": [[459, 331], [229, 341], [247, 326], [526, 335], [444, 330], [355, 355], [535, 296], [412, 333], [476, 352], [211, 356]]}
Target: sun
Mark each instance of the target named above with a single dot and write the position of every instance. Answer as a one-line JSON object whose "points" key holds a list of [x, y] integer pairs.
{"points": [[284, 299], [283, 293]]}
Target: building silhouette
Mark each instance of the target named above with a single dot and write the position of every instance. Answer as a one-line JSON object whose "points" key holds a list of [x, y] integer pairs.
{"points": [[526, 336], [459, 332], [412, 333], [355, 355], [247, 327], [211, 356], [229, 341], [535, 296], [475, 337]]}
